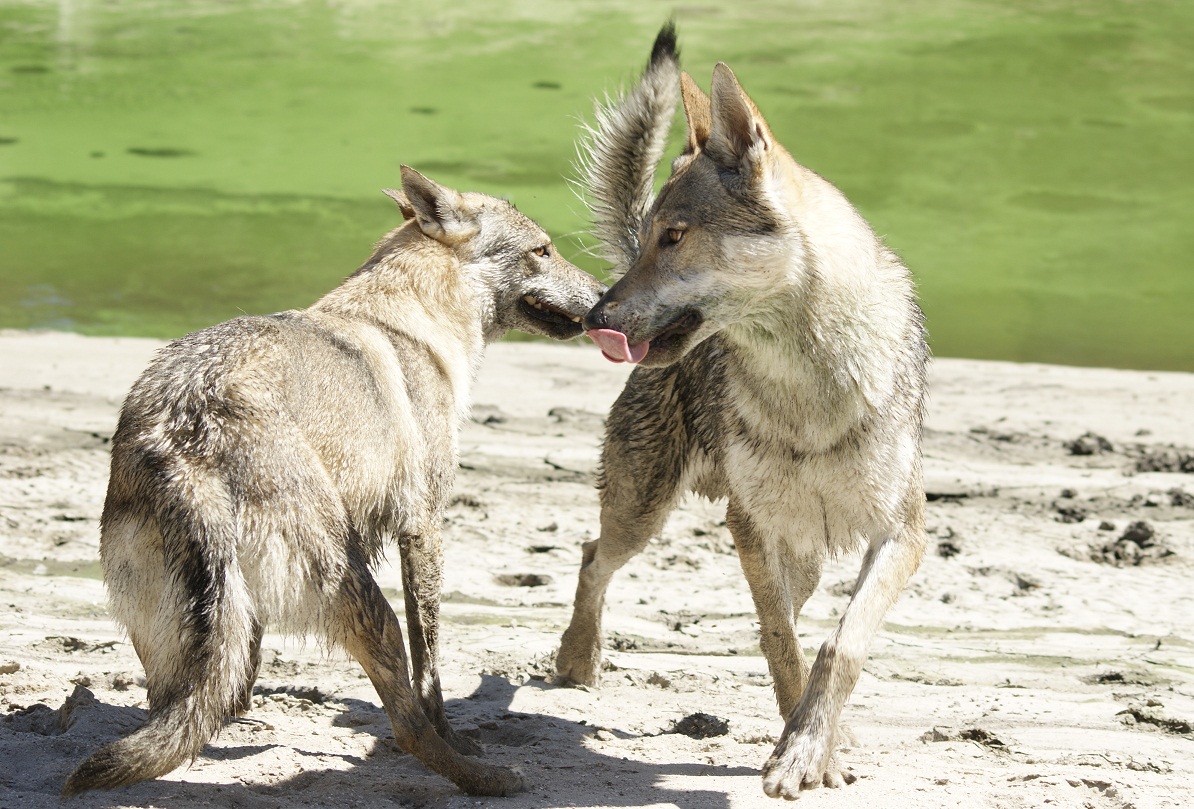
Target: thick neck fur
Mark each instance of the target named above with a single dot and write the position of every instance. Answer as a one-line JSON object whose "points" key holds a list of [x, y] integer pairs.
{"points": [[415, 286], [826, 339]]}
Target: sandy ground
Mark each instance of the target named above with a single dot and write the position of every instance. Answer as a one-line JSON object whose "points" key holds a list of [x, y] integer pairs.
{"points": [[1042, 656]]}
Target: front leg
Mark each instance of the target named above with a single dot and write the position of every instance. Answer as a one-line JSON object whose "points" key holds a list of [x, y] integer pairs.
{"points": [[643, 460], [780, 584], [422, 582], [804, 757], [362, 620]]}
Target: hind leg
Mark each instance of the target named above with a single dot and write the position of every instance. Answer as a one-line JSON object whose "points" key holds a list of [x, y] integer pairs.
{"points": [[245, 701], [422, 582], [804, 756], [367, 627], [642, 480]]}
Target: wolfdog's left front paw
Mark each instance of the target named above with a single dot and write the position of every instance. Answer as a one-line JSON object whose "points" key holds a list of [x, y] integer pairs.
{"points": [[578, 661], [804, 760]]}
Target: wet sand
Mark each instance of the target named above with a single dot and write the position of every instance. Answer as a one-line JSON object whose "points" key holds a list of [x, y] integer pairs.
{"points": [[1043, 654]]}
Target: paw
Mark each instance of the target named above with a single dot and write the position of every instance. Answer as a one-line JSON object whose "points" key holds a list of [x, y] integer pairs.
{"points": [[803, 761], [577, 666], [570, 678], [484, 779]]}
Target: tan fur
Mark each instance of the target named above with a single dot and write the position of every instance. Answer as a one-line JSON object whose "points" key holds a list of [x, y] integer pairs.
{"points": [[260, 465], [785, 372]]}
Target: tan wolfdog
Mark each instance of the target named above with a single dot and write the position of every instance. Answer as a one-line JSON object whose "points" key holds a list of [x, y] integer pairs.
{"points": [[786, 358], [259, 466]]}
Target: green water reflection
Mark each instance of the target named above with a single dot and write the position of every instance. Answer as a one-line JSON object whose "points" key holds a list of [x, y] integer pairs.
{"points": [[165, 165]]}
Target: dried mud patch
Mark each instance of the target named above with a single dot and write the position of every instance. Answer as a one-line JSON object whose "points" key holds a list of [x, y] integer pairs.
{"points": [[1138, 545], [1149, 714]]}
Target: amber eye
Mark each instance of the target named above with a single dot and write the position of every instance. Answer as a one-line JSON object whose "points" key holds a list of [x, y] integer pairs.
{"points": [[542, 252], [674, 235]]}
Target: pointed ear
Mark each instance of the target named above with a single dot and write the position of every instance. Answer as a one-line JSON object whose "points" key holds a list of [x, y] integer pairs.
{"points": [[696, 110], [439, 211], [408, 210], [739, 138]]}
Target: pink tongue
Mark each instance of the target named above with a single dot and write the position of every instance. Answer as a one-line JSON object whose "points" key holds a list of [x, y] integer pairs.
{"points": [[614, 346]]}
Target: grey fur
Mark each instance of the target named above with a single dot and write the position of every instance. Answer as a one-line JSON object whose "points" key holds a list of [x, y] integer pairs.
{"points": [[617, 156], [260, 465], [787, 374]]}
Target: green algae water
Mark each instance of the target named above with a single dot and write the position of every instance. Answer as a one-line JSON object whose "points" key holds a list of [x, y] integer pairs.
{"points": [[167, 165]]}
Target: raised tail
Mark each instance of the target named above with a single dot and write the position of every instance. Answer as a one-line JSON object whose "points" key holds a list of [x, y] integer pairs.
{"points": [[202, 649], [618, 154]]}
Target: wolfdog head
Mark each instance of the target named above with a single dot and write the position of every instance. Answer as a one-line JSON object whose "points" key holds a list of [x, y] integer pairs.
{"points": [[523, 281], [720, 245]]}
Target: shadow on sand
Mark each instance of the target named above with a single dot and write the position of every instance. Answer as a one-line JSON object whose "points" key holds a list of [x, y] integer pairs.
{"points": [[560, 769]]}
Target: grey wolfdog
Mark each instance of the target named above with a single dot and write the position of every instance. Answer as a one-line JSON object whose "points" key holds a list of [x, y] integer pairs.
{"points": [[784, 363], [259, 466]]}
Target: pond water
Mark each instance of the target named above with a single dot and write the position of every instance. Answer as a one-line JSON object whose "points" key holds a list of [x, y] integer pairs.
{"points": [[166, 165]]}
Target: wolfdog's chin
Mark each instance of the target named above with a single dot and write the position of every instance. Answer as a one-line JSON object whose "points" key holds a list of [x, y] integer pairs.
{"points": [[540, 317], [675, 340]]}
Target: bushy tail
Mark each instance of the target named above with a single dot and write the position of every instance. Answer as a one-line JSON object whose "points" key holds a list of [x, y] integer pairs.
{"points": [[618, 153], [200, 657], [158, 747]]}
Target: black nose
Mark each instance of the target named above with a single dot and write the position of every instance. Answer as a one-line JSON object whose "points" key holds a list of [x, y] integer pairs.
{"points": [[598, 316]]}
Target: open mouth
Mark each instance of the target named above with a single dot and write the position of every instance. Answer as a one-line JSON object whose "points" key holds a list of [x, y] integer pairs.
{"points": [[657, 350], [552, 315]]}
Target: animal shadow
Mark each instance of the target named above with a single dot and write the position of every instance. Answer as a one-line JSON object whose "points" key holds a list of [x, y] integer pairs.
{"points": [[559, 766]]}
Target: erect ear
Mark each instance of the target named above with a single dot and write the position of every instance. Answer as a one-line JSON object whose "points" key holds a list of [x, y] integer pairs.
{"points": [[739, 138], [696, 110], [440, 212], [408, 210]]}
